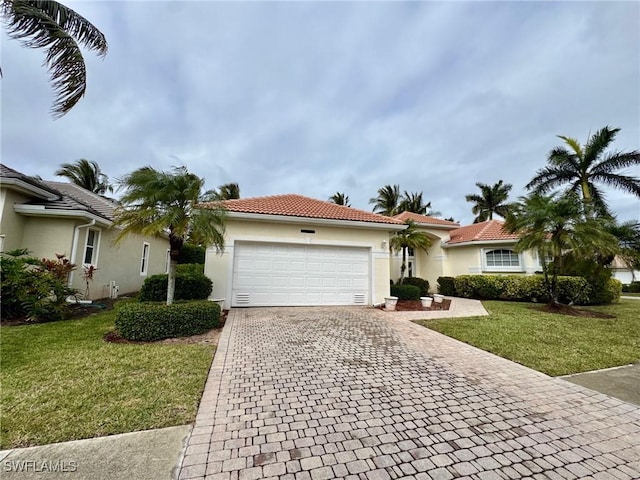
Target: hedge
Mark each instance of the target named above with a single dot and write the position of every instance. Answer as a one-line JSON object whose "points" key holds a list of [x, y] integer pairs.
{"points": [[447, 286], [421, 283], [146, 322], [189, 285], [405, 292], [530, 288], [633, 287]]}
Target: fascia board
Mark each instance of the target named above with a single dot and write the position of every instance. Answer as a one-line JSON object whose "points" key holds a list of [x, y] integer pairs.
{"points": [[479, 243], [27, 188], [260, 217], [41, 211]]}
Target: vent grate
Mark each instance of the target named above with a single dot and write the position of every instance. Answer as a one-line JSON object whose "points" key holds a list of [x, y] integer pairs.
{"points": [[243, 298], [358, 298]]}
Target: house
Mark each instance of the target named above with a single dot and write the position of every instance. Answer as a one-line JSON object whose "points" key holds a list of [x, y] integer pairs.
{"points": [[291, 250], [49, 218]]}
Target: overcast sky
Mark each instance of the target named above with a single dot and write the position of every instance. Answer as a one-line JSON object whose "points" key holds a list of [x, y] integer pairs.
{"points": [[318, 97]]}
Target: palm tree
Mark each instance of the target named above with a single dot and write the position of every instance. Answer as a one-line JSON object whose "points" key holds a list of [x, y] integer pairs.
{"points": [[413, 202], [156, 202], [386, 203], [228, 191], [583, 168], [59, 30], [410, 237], [86, 174], [340, 198], [492, 199], [555, 226]]}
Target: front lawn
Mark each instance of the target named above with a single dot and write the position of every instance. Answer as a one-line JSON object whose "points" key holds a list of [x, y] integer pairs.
{"points": [[551, 343], [61, 381]]}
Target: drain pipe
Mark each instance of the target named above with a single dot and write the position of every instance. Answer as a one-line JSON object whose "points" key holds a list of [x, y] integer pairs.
{"points": [[74, 246]]}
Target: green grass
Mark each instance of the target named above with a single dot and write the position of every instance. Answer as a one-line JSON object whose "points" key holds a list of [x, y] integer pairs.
{"points": [[61, 381], [628, 294], [551, 343]]}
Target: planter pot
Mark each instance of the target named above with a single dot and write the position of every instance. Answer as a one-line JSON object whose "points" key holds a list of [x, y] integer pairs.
{"points": [[426, 301], [438, 298], [390, 303], [219, 301]]}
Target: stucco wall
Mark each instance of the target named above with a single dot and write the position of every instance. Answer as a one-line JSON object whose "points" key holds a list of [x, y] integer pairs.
{"points": [[465, 260], [11, 224], [219, 267]]}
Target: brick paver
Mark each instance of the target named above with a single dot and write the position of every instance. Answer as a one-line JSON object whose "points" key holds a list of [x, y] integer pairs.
{"points": [[319, 393]]}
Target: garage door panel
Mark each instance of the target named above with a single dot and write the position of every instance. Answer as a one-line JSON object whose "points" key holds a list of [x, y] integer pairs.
{"points": [[280, 274]]}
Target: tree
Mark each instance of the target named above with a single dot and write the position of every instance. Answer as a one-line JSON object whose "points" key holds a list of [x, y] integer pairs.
{"points": [[584, 168], [155, 202], [410, 237], [86, 174], [492, 199], [386, 203], [555, 227], [228, 191], [413, 202], [340, 198], [58, 29]]}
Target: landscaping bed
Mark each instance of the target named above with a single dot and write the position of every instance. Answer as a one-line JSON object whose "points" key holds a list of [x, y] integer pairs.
{"points": [[416, 306]]}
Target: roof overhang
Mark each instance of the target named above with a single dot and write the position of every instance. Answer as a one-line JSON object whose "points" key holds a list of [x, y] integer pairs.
{"points": [[480, 243], [260, 217], [436, 226], [21, 186], [41, 211]]}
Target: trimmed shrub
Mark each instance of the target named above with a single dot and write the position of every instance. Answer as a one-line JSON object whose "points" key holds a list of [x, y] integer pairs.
{"points": [[145, 322], [633, 287], [604, 291], [447, 286], [421, 283], [189, 286], [405, 292], [190, 269], [191, 254]]}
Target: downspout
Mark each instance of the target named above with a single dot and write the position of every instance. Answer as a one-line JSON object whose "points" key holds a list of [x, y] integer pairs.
{"points": [[74, 246]]}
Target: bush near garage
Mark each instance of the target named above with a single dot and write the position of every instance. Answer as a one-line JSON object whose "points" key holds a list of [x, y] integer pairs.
{"points": [[145, 322], [191, 284], [447, 286], [405, 292], [191, 254], [421, 283]]}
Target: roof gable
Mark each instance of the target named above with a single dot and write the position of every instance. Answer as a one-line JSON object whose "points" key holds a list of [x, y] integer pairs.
{"points": [[292, 205], [425, 220], [491, 230]]}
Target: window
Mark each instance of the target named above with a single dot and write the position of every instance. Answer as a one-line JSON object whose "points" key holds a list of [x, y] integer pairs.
{"points": [[502, 260], [144, 264], [91, 248], [410, 269], [410, 252]]}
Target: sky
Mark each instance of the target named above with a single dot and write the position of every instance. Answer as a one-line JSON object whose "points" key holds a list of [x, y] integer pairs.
{"points": [[316, 98]]}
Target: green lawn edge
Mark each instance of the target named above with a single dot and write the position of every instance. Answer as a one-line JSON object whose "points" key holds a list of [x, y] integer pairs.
{"points": [[551, 343], [61, 381]]}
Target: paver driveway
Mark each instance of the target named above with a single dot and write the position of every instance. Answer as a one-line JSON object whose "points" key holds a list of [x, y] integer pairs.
{"points": [[321, 393]]}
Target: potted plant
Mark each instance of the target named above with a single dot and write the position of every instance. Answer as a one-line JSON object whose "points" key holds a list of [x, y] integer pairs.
{"points": [[390, 303], [426, 301], [437, 298]]}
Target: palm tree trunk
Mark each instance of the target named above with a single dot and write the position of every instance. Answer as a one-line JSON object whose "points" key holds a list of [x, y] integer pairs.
{"points": [[403, 267], [171, 281]]}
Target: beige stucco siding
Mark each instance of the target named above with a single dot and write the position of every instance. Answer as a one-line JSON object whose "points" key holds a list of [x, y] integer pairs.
{"points": [[219, 267], [469, 259], [11, 224], [45, 237]]}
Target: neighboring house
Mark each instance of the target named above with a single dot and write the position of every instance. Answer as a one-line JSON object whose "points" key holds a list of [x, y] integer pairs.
{"points": [[622, 272], [50, 218], [290, 250]]}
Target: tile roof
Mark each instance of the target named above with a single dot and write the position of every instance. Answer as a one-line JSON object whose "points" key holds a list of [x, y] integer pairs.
{"points": [[425, 219], [76, 197], [9, 173], [299, 206], [490, 230]]}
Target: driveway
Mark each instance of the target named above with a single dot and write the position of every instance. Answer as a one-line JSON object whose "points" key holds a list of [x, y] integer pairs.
{"points": [[356, 393]]}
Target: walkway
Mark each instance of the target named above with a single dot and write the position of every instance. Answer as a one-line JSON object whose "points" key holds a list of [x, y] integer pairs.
{"points": [[322, 393]]}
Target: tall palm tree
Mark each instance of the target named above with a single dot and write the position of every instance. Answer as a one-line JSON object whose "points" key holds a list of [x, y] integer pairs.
{"points": [[386, 203], [410, 237], [340, 198], [583, 168], [492, 199], [228, 191], [413, 202], [555, 226], [156, 202], [86, 174], [58, 29]]}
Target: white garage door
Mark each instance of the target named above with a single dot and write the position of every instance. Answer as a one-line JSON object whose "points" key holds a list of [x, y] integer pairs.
{"points": [[268, 274]]}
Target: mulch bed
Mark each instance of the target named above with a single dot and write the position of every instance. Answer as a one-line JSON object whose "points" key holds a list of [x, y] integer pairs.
{"points": [[416, 306]]}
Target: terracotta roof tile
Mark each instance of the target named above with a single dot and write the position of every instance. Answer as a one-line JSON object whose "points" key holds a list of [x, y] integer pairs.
{"points": [[480, 232], [300, 206], [425, 219]]}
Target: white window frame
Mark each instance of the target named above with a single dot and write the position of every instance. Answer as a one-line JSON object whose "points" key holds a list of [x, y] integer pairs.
{"points": [[144, 261], [95, 247], [501, 268]]}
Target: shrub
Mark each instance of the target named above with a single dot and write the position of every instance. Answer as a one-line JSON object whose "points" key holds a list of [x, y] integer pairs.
{"points": [[146, 322], [189, 286], [190, 253], [633, 287], [421, 283], [405, 292], [190, 269], [447, 286], [33, 288]]}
